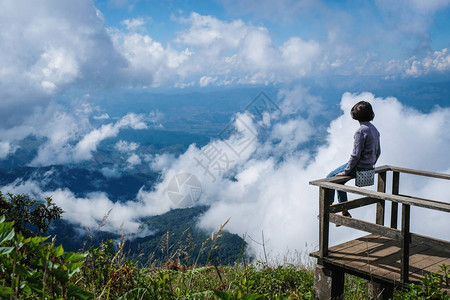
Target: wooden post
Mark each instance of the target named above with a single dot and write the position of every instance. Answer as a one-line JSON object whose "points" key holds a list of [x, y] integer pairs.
{"points": [[328, 282], [324, 220], [405, 241], [395, 191], [380, 205]]}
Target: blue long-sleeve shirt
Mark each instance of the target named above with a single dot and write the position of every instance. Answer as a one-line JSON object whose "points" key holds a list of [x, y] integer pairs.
{"points": [[366, 148]]}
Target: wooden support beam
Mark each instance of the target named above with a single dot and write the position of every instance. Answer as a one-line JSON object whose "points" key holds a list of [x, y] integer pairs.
{"points": [[437, 244], [394, 205], [405, 241], [420, 173], [324, 224], [380, 205], [394, 234], [352, 204], [436, 205]]}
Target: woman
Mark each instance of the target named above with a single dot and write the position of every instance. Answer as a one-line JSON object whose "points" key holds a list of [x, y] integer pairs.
{"points": [[366, 148]]}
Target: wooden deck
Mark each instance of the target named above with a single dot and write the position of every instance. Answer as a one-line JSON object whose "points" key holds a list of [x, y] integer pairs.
{"points": [[378, 257], [391, 255]]}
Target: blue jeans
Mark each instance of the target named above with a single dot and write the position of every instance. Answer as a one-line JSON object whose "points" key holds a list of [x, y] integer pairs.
{"points": [[342, 196]]}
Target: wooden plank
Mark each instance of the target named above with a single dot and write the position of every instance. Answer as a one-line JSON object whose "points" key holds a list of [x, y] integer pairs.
{"points": [[390, 267], [421, 173], [381, 187], [341, 247], [394, 205], [377, 257], [335, 179], [366, 226], [432, 263], [383, 168], [431, 242], [436, 205], [405, 241], [361, 254], [418, 198], [324, 224], [360, 202]]}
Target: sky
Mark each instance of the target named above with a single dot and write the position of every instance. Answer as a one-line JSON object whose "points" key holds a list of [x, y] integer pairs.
{"points": [[56, 50]]}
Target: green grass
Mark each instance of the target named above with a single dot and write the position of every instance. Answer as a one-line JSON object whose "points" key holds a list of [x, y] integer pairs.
{"points": [[34, 268]]}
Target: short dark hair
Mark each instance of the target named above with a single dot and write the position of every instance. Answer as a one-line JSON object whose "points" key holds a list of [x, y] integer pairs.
{"points": [[362, 111]]}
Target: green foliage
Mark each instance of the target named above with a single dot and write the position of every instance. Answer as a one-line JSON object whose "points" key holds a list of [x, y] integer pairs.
{"points": [[287, 280], [29, 213], [355, 288], [430, 287], [33, 268]]}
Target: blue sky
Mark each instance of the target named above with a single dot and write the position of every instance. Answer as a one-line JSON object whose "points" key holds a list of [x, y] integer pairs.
{"points": [[305, 19], [78, 49], [57, 56]]}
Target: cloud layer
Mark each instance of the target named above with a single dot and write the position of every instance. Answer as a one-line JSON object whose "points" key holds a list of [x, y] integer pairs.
{"points": [[258, 174]]}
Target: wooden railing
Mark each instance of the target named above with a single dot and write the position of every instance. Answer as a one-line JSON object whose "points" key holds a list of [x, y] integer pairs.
{"points": [[327, 212]]}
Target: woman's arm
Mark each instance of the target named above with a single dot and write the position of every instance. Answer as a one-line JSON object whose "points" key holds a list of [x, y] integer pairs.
{"points": [[358, 146]]}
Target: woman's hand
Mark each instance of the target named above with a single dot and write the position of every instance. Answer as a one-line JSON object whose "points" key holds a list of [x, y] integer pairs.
{"points": [[340, 174]]}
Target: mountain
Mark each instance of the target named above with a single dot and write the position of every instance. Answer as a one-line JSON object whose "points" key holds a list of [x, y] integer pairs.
{"points": [[177, 226], [177, 236], [81, 181]]}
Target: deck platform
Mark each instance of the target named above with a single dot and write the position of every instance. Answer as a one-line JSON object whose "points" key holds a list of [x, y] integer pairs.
{"points": [[376, 257], [391, 255]]}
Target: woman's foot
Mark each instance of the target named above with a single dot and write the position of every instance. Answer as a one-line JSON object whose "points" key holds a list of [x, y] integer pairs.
{"points": [[345, 213]]}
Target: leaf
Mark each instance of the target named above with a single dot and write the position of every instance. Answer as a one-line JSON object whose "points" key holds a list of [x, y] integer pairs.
{"points": [[78, 293], [71, 256], [22, 271], [5, 292], [253, 297], [38, 239], [6, 236], [62, 276], [5, 226], [36, 286], [222, 295], [59, 251], [6, 250]]}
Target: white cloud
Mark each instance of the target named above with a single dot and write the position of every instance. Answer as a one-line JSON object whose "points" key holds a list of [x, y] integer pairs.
{"points": [[438, 61], [266, 192], [72, 138], [133, 24], [133, 160], [84, 148], [5, 149], [110, 172], [55, 67], [216, 52], [47, 47], [104, 116], [206, 80], [160, 162], [125, 147]]}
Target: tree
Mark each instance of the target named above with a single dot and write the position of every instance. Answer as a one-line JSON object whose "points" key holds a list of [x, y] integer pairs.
{"points": [[29, 215]]}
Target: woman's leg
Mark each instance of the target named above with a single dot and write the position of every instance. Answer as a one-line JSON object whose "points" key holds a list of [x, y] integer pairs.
{"points": [[342, 196]]}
